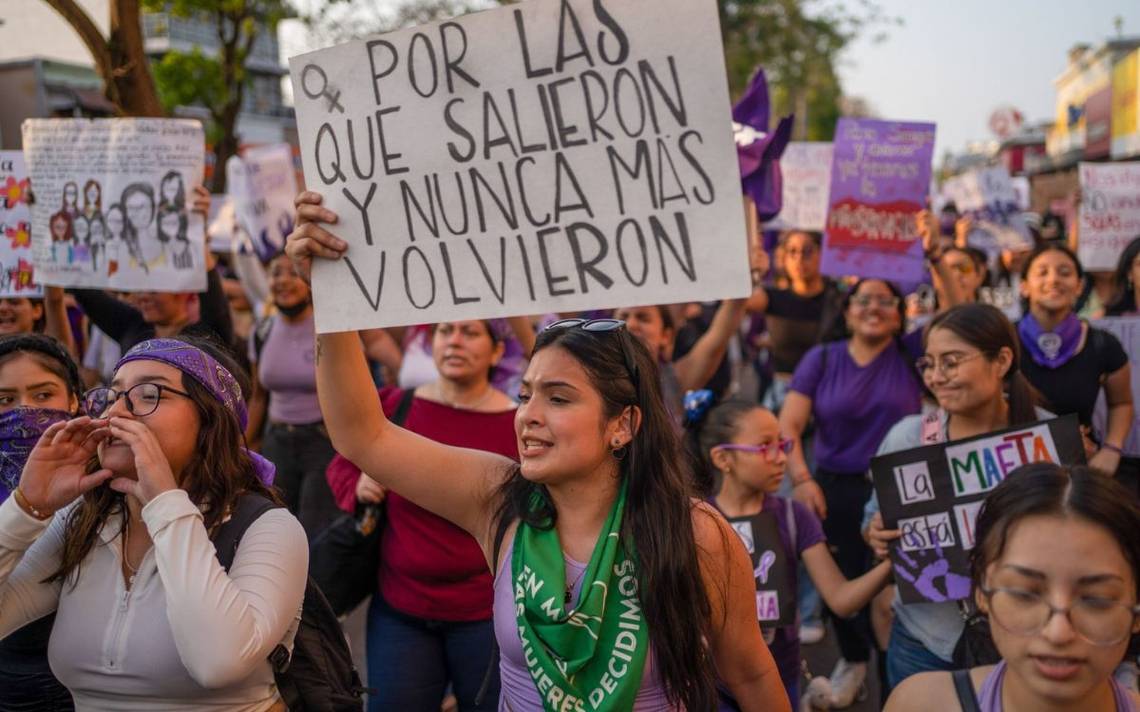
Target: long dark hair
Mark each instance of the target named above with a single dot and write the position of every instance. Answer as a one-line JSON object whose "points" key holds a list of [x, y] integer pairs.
{"points": [[718, 425], [221, 471], [47, 352], [1044, 247], [1043, 488], [1124, 301], [985, 327], [659, 510]]}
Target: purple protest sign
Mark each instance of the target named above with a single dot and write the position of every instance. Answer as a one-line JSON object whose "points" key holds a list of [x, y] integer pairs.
{"points": [[880, 177]]}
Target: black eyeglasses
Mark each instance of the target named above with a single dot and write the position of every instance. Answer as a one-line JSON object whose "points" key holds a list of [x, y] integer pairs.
{"points": [[142, 398], [602, 326]]}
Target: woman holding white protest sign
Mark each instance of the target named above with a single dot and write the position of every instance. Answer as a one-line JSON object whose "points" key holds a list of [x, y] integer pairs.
{"points": [[1126, 282], [972, 366], [600, 479], [1067, 359], [1056, 569]]}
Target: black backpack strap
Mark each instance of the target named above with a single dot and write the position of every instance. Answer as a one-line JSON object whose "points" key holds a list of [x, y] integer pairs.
{"points": [[500, 532], [245, 512], [261, 335], [403, 407], [964, 687]]}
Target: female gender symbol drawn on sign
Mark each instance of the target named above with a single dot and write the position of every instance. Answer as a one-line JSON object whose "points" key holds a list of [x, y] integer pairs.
{"points": [[333, 97]]}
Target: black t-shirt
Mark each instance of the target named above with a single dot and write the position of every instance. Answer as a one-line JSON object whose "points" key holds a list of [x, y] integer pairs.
{"points": [[794, 324], [688, 336], [1075, 385]]}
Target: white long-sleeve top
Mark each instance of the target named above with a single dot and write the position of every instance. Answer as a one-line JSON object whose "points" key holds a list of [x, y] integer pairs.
{"points": [[186, 635]]}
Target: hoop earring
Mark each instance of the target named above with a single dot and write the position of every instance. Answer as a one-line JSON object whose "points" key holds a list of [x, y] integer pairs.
{"points": [[620, 452]]}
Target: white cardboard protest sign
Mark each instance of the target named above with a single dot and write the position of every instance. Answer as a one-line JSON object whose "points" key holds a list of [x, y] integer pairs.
{"points": [[1109, 212], [17, 277], [553, 155], [113, 203], [988, 196], [263, 185], [805, 170], [1127, 329]]}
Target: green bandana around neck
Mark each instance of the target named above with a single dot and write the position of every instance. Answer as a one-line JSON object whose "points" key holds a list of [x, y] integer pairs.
{"points": [[590, 657]]}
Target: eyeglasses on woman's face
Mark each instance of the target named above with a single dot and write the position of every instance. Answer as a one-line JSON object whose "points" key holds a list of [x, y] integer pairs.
{"points": [[947, 366], [142, 398], [1098, 620], [865, 301]]}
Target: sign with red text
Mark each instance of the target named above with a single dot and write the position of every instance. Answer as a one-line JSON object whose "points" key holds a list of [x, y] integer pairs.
{"points": [[880, 177], [1109, 212], [549, 156], [933, 495], [16, 271]]}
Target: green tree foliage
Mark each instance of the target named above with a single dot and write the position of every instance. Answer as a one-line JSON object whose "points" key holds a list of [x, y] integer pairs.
{"points": [[216, 81]]}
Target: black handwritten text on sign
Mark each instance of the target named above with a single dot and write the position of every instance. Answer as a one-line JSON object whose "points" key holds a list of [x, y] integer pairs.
{"points": [[550, 156], [932, 494]]}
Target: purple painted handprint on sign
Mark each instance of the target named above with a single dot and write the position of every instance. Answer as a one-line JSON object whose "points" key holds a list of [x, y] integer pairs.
{"points": [[924, 570]]}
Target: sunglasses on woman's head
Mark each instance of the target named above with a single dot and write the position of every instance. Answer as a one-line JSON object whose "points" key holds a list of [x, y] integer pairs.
{"points": [[602, 326]]}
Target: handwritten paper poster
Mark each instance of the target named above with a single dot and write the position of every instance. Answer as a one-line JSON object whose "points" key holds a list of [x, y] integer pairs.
{"points": [[880, 175], [554, 155], [806, 171], [16, 272], [263, 185], [933, 494], [1109, 213], [113, 199], [1127, 329], [988, 196]]}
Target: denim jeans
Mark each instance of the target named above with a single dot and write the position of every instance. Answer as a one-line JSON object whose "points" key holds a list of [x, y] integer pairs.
{"points": [[411, 661], [906, 656]]}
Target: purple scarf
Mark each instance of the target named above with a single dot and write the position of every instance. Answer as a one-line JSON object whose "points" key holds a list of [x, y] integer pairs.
{"points": [[1050, 349], [20, 430], [211, 375]]}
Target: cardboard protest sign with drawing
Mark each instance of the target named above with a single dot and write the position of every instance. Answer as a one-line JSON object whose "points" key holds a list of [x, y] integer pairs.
{"points": [[555, 155], [933, 494], [1109, 215], [806, 172], [1127, 329], [17, 277], [988, 196], [263, 184], [113, 203], [880, 176], [775, 597]]}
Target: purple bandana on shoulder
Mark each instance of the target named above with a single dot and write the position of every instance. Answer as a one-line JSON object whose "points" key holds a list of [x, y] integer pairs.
{"points": [[210, 374], [1050, 349], [20, 430]]}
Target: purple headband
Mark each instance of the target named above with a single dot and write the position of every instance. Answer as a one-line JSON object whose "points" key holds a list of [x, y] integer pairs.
{"points": [[211, 375], [197, 364]]}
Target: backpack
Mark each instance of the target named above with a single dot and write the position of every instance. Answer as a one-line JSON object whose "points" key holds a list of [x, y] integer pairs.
{"points": [[319, 676]]}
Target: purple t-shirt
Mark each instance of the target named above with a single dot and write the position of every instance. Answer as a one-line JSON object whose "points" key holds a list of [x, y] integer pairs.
{"points": [[855, 406], [287, 369]]}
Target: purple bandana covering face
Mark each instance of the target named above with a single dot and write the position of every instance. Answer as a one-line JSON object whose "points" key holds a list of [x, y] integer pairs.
{"points": [[20, 430], [1050, 349], [210, 374]]}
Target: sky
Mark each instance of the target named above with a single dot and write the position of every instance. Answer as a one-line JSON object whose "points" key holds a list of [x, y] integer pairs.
{"points": [[955, 62]]}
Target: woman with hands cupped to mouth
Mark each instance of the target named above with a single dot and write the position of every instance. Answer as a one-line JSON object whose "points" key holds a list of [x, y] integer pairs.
{"points": [[110, 527]]}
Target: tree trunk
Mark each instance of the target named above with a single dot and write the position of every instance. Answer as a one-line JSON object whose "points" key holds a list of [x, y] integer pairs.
{"points": [[131, 86], [227, 145], [120, 59]]}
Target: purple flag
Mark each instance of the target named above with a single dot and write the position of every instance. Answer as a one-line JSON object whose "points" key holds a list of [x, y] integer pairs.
{"points": [[759, 151]]}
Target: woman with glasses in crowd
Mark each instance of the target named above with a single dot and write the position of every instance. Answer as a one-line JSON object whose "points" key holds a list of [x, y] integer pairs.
{"points": [[1056, 569], [593, 606], [110, 528], [972, 367], [855, 389]]}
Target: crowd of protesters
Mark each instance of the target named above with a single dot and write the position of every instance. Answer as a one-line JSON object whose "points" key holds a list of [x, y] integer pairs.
{"points": [[603, 457]]}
